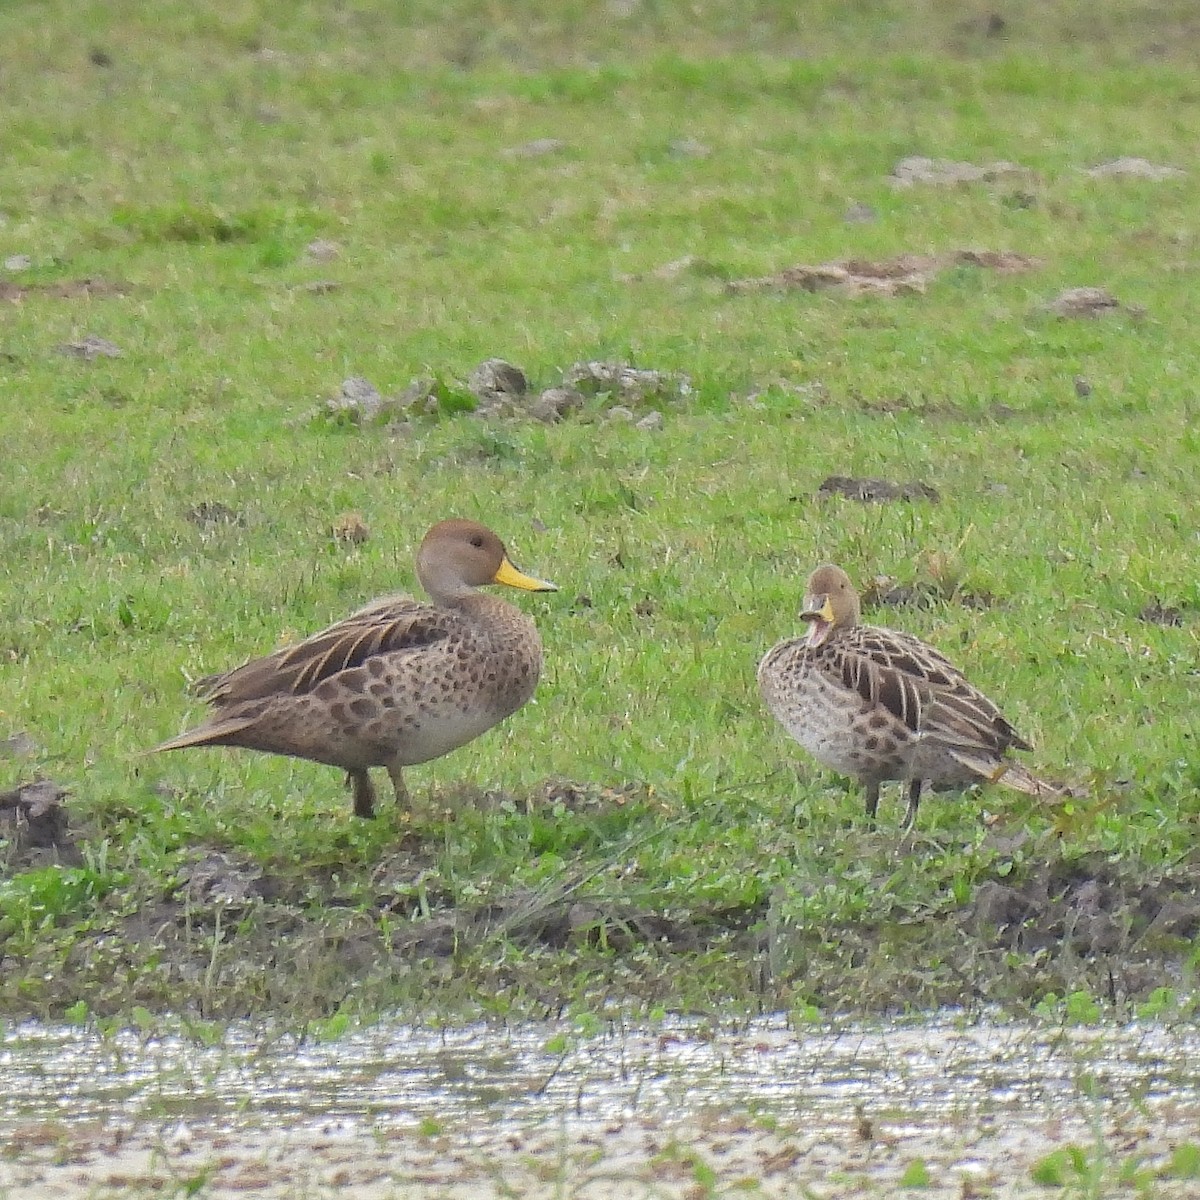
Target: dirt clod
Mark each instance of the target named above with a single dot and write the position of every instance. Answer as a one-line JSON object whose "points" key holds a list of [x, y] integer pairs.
{"points": [[1134, 168], [943, 172], [1086, 302], [877, 491], [35, 823], [91, 347], [1157, 613], [904, 275]]}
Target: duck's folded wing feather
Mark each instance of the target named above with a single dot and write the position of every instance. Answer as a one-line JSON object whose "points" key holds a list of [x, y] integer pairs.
{"points": [[381, 628], [922, 688], [893, 670]]}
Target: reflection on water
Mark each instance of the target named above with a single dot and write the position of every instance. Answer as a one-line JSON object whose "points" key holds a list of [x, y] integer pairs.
{"points": [[393, 1074]]}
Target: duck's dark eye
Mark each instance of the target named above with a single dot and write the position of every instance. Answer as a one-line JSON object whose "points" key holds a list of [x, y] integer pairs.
{"points": [[477, 542]]}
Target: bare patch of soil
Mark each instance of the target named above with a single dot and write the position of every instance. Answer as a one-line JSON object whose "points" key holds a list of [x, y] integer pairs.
{"points": [[1089, 302], [91, 348], [1134, 168], [943, 172], [877, 491], [963, 1154], [905, 275], [67, 289]]}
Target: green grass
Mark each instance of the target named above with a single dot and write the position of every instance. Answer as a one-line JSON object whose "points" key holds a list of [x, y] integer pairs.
{"points": [[191, 153]]}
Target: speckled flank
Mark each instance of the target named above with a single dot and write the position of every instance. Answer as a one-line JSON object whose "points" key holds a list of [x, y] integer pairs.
{"points": [[411, 705]]}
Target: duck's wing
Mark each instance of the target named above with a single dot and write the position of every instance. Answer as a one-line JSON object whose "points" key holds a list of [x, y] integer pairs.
{"points": [[383, 627], [920, 687]]}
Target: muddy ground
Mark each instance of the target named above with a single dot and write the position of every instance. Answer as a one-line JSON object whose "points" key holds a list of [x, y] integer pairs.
{"points": [[624, 1159], [225, 938]]}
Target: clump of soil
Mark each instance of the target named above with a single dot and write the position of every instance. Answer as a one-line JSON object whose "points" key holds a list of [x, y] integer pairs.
{"points": [[34, 826], [905, 275], [943, 172], [1089, 302], [91, 348], [1134, 168], [877, 491], [67, 289], [1156, 613]]}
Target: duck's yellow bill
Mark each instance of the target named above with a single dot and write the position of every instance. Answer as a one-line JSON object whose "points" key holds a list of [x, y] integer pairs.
{"points": [[814, 612], [507, 574]]}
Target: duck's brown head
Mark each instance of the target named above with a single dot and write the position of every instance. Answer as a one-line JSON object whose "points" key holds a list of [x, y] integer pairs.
{"points": [[830, 603], [458, 556]]}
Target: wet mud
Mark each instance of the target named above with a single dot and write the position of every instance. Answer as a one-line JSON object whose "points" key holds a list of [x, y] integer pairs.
{"points": [[229, 938]]}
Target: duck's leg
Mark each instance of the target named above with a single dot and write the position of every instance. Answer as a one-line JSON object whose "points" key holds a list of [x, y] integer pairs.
{"points": [[396, 774], [872, 802], [914, 798], [364, 792]]}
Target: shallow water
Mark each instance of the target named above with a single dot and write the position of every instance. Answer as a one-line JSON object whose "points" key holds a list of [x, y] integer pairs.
{"points": [[927, 1071], [445, 1113]]}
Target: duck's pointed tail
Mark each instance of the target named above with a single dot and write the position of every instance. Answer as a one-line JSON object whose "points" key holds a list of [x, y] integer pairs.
{"points": [[1012, 775], [218, 733]]}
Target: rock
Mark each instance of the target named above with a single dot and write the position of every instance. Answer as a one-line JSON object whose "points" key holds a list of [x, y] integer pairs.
{"points": [[497, 377], [358, 398], [652, 421], [555, 404], [619, 412], [18, 262], [628, 385]]}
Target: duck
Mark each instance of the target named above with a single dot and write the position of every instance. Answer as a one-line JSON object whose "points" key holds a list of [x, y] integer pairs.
{"points": [[397, 683], [877, 704]]}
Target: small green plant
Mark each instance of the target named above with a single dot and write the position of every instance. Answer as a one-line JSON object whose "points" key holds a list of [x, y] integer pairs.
{"points": [[1185, 1162], [77, 1013], [915, 1175]]}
